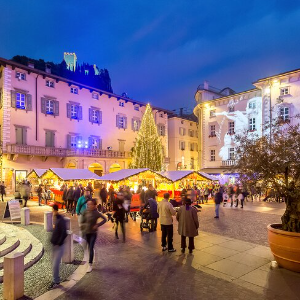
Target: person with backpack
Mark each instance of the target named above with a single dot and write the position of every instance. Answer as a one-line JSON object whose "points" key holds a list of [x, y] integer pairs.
{"points": [[57, 240], [81, 205], [119, 214]]}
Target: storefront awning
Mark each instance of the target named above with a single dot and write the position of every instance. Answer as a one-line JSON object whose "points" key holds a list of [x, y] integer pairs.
{"points": [[72, 174]]}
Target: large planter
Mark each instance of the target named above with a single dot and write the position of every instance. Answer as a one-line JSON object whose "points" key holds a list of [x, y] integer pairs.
{"points": [[285, 247]]}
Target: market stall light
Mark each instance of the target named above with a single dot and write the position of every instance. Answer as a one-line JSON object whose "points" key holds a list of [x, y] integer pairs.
{"points": [[267, 90]]}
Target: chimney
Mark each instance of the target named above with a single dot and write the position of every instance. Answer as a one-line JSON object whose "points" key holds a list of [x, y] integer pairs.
{"points": [[205, 85], [48, 68], [180, 111], [30, 64]]}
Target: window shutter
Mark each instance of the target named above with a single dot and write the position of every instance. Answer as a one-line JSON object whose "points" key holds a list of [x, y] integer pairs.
{"points": [[184, 131], [69, 111], [43, 106], [183, 145], [125, 122], [47, 137], [24, 132], [68, 141], [100, 144], [164, 130], [179, 145], [91, 115], [132, 124], [56, 108], [179, 131], [99, 116], [52, 134], [117, 121], [79, 112], [19, 136], [79, 139], [28, 102], [13, 99], [90, 142], [139, 124]]}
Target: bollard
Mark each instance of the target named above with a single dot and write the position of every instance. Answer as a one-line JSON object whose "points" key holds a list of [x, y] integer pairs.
{"points": [[68, 223], [25, 216], [48, 221], [13, 279], [68, 255]]}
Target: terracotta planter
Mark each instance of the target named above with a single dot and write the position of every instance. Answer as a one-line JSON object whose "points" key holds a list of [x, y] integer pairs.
{"points": [[285, 247]]}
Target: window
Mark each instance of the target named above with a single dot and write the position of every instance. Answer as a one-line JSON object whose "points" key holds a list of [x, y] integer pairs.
{"points": [[50, 83], [181, 145], [49, 106], [49, 138], [137, 107], [74, 141], [20, 100], [161, 115], [252, 105], [74, 90], [121, 103], [230, 127], [21, 76], [121, 121], [21, 135], [95, 96], [95, 115], [74, 111], [181, 131], [284, 91], [231, 109], [212, 113], [252, 125], [161, 130], [192, 163], [212, 130], [212, 155], [191, 133], [95, 142], [192, 146], [135, 125], [284, 113], [231, 153]]}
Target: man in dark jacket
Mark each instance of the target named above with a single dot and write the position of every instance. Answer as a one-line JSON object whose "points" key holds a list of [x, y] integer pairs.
{"points": [[150, 193], [77, 195], [218, 201], [57, 240], [153, 214], [103, 196]]}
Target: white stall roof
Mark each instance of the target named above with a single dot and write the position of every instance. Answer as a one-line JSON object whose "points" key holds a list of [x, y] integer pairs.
{"points": [[122, 174], [175, 175], [211, 177], [74, 174], [38, 172]]}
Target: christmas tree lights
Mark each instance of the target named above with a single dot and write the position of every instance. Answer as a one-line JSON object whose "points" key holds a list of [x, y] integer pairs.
{"points": [[147, 152]]}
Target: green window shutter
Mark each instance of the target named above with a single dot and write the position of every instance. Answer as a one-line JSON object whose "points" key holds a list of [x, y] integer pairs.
{"points": [[100, 144], [132, 124], [68, 110], [117, 121], [13, 99], [19, 135], [52, 139], [28, 102], [125, 121], [163, 130], [90, 142], [99, 117], [79, 139], [91, 115], [43, 106], [79, 113], [68, 141], [24, 133], [56, 108]]}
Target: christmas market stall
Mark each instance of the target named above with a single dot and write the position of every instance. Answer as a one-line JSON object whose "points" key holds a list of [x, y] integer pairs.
{"points": [[34, 177], [54, 178], [183, 179]]}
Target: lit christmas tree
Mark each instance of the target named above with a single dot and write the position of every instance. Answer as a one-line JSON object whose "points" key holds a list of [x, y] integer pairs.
{"points": [[147, 152]]}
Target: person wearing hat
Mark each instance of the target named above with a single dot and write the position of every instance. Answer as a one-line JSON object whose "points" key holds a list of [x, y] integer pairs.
{"points": [[188, 224]]}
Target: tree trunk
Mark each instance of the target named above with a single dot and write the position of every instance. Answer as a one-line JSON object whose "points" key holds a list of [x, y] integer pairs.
{"points": [[291, 217]]}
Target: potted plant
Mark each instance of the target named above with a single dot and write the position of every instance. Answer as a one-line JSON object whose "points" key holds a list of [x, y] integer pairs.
{"points": [[273, 162]]}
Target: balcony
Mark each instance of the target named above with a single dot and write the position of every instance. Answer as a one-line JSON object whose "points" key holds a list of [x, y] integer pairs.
{"points": [[228, 163], [15, 150]]}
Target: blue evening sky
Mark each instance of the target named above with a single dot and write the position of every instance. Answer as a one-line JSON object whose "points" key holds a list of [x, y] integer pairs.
{"points": [[159, 50]]}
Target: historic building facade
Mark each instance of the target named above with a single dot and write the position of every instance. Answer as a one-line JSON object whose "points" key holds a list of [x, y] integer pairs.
{"points": [[49, 121]]}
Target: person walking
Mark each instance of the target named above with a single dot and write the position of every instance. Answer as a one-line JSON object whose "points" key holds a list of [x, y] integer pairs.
{"points": [[90, 188], [150, 193], [25, 192], [90, 227], [166, 211], [218, 200], [57, 240], [206, 193], [82, 205], [2, 190], [188, 224], [119, 214], [127, 202], [64, 189], [111, 197], [76, 196], [39, 193], [103, 197], [70, 198]]}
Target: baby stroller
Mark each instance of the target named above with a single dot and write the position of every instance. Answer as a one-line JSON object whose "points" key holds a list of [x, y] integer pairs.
{"points": [[145, 224]]}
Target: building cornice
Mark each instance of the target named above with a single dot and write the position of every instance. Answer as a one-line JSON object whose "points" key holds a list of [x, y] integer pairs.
{"points": [[284, 74]]}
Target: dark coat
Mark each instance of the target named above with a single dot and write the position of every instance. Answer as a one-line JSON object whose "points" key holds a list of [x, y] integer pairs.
{"points": [[153, 208], [150, 194], [103, 194], [188, 222], [77, 194], [60, 231], [70, 194], [218, 197], [119, 209]]}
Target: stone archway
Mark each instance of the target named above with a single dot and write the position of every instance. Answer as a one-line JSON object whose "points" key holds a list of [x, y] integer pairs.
{"points": [[114, 168], [96, 168]]}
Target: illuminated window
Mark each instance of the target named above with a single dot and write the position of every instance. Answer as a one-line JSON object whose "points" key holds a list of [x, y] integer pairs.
{"points": [[230, 127], [20, 100], [191, 133], [161, 130], [231, 153], [122, 122], [284, 113], [252, 105], [49, 107], [252, 124], [212, 155], [121, 103], [95, 116], [181, 131], [212, 113], [181, 145], [73, 140], [50, 83], [21, 76], [212, 130], [74, 111], [74, 90], [95, 96], [284, 91], [135, 125]]}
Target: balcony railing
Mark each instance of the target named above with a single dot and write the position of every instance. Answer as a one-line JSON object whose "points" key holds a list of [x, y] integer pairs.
{"points": [[227, 163], [61, 152]]}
